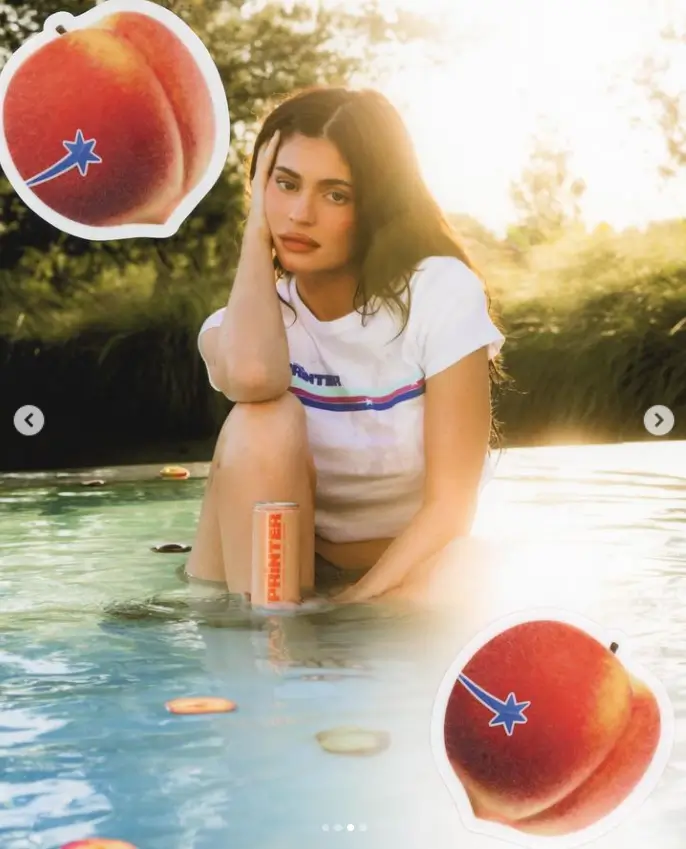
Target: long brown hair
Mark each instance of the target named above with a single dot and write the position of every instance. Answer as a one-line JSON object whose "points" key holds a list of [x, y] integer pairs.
{"points": [[398, 222]]}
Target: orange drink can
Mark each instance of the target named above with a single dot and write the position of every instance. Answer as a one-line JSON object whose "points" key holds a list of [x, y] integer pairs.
{"points": [[275, 553]]}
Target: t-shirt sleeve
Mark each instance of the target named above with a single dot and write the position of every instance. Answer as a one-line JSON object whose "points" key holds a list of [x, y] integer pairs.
{"points": [[449, 311], [213, 320]]}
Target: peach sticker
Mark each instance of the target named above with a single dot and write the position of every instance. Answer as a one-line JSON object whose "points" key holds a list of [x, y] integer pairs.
{"points": [[545, 732], [113, 124]]}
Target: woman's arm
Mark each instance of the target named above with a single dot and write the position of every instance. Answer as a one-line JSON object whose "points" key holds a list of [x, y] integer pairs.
{"points": [[250, 359], [457, 419]]}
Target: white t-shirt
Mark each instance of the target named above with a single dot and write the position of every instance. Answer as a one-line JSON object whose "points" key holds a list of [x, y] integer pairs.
{"points": [[363, 393]]}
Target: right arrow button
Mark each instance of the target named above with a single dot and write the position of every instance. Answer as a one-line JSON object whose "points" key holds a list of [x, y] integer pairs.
{"points": [[658, 420]]}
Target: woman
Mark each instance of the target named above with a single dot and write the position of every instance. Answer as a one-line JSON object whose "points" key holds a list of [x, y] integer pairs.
{"points": [[358, 348]]}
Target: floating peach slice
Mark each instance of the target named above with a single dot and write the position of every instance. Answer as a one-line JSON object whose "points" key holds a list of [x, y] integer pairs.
{"points": [[348, 740], [99, 843], [196, 705], [174, 472]]}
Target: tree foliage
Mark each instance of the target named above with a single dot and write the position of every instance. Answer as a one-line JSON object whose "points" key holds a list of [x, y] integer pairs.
{"points": [[662, 80], [547, 196]]}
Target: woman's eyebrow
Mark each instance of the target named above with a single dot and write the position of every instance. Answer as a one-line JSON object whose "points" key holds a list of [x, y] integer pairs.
{"points": [[329, 181]]}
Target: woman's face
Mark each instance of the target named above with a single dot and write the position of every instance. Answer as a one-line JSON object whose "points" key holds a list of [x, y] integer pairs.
{"points": [[309, 206]]}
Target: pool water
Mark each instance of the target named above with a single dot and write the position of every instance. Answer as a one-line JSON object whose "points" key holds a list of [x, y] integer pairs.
{"points": [[97, 633]]}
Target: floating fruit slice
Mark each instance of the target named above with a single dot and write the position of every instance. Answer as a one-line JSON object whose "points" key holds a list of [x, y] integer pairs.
{"points": [[99, 843], [200, 704], [353, 741], [177, 472]]}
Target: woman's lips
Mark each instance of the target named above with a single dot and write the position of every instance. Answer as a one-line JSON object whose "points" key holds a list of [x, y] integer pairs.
{"points": [[296, 246]]}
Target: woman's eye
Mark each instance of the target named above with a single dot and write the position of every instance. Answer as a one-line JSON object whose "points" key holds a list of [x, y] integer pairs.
{"points": [[288, 185]]}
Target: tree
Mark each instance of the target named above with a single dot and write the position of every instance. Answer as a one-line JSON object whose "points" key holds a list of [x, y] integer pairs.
{"points": [[661, 78], [547, 196]]}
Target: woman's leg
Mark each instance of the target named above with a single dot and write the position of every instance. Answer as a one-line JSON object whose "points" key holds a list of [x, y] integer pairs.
{"points": [[262, 454]]}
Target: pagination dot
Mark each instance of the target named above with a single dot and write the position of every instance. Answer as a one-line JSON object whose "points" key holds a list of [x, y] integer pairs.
{"points": [[349, 827]]}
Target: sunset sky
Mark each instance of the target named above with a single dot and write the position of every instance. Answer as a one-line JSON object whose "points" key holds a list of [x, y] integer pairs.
{"points": [[520, 67]]}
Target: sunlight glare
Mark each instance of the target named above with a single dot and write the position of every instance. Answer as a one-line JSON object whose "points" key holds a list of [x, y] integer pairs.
{"points": [[537, 67]]}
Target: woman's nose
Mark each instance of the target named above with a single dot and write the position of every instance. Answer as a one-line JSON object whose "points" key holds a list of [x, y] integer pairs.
{"points": [[302, 209]]}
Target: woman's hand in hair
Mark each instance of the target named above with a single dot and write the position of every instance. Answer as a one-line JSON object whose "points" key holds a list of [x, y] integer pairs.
{"points": [[257, 219]]}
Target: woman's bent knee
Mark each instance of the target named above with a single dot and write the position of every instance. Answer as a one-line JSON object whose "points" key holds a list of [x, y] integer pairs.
{"points": [[286, 408], [285, 405], [266, 428]]}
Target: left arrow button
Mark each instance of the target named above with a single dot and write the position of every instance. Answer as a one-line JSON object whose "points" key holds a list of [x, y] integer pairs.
{"points": [[29, 420]]}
